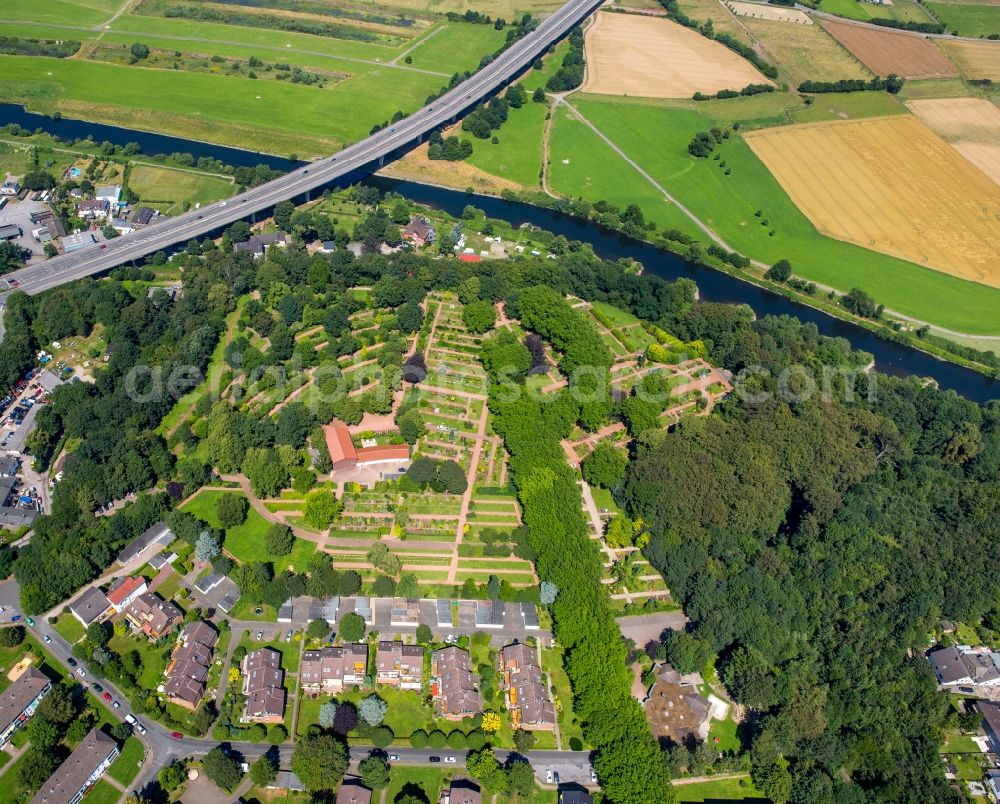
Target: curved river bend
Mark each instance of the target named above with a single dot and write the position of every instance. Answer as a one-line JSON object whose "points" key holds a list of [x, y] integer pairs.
{"points": [[891, 358]]}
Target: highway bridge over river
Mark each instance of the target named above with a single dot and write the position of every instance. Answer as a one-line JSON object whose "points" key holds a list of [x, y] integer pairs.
{"points": [[355, 158]]}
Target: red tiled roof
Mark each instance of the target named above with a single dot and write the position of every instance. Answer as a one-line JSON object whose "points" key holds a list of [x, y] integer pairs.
{"points": [[387, 452], [470, 257], [119, 593], [338, 441]]}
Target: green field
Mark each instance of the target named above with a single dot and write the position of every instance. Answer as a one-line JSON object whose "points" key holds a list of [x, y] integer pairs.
{"points": [[103, 793], [518, 155], [70, 628], [125, 768], [455, 47], [656, 138], [167, 189], [718, 790], [246, 542], [430, 780], [154, 657], [80, 12], [861, 10], [968, 19]]}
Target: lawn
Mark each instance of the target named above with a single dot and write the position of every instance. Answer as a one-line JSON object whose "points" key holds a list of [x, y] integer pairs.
{"points": [[718, 790], [538, 796], [103, 793], [957, 743], [70, 628], [569, 728], [430, 780], [168, 189], [154, 658], [246, 542], [90, 12], [125, 768], [290, 653], [239, 111], [968, 19], [10, 791], [518, 155], [455, 47], [656, 138], [859, 10]]}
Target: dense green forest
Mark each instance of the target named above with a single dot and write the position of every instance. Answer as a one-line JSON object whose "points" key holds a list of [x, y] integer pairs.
{"points": [[813, 543]]}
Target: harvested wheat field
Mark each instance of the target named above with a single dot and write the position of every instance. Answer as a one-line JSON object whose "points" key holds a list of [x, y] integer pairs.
{"points": [[776, 13], [805, 51], [975, 59], [892, 185], [971, 125], [649, 57], [886, 52]]}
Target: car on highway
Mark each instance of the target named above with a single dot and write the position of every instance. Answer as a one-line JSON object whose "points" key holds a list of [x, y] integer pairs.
{"points": [[104, 245], [13, 283], [107, 696], [47, 639], [433, 759], [449, 759], [177, 735], [28, 620]]}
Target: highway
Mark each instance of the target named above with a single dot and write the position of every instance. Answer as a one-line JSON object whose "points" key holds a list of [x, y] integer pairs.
{"points": [[197, 223]]}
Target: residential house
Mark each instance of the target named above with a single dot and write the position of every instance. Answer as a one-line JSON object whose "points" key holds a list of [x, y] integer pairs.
{"points": [[331, 669], [400, 665], [674, 708], [124, 590], [327, 247], [452, 684], [111, 195], [263, 685], [575, 795], [524, 684], [419, 232], [963, 666], [153, 615], [19, 701], [351, 791], [257, 245], [93, 209], [10, 188], [462, 791], [143, 216], [187, 671], [122, 225], [90, 606], [80, 771], [991, 723]]}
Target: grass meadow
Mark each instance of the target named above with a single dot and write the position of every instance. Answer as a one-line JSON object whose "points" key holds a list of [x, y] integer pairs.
{"points": [[657, 138], [166, 188], [968, 19]]}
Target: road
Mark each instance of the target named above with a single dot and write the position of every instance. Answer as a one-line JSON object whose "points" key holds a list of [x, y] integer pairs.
{"points": [[197, 223]]}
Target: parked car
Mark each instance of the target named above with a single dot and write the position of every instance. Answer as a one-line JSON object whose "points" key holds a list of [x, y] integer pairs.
{"points": [[47, 639], [130, 719], [434, 759], [449, 759], [260, 635], [116, 705], [98, 688], [177, 735], [70, 661], [81, 672], [548, 776], [107, 696], [393, 757], [593, 776], [140, 728]]}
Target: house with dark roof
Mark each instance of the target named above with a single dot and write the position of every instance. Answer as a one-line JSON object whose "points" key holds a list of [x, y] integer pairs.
{"points": [[263, 686], [575, 795], [10, 231], [331, 669], [958, 666], [257, 245], [399, 665], [153, 615], [351, 791], [90, 606], [463, 791], [452, 685], [675, 710], [187, 671], [991, 723], [526, 690], [80, 771], [419, 232], [19, 701], [142, 216], [93, 209]]}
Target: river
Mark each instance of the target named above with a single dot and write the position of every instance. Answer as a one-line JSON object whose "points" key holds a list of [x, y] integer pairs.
{"points": [[890, 358]]}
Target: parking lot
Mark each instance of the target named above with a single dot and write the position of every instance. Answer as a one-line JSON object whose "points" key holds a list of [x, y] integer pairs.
{"points": [[18, 213]]}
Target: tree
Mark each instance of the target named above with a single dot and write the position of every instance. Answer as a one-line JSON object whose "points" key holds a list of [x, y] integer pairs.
{"points": [[382, 559], [418, 738], [491, 722], [319, 760], [372, 709], [139, 51], [35, 767], [44, 734], [222, 768], [538, 96], [605, 466], [409, 317], [231, 509], [781, 271], [283, 212], [58, 705], [279, 540], [322, 508], [352, 627], [480, 316], [452, 477], [408, 586], [411, 426], [424, 634], [12, 636], [172, 776], [484, 767], [374, 772], [328, 714], [524, 740], [264, 770], [277, 734], [520, 777], [207, 547], [318, 628]]}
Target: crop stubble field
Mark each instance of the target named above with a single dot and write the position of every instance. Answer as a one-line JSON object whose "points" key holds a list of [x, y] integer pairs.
{"points": [[975, 59], [884, 52], [805, 51], [891, 185], [655, 58], [774, 13], [971, 125]]}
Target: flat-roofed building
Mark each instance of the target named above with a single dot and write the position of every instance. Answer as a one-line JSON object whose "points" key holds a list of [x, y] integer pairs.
{"points": [[19, 701], [80, 771], [400, 665]]}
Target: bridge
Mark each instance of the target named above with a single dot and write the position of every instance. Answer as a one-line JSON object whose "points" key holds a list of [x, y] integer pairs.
{"points": [[198, 223]]}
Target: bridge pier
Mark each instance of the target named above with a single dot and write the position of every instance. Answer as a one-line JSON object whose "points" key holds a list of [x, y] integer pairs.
{"points": [[381, 160]]}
